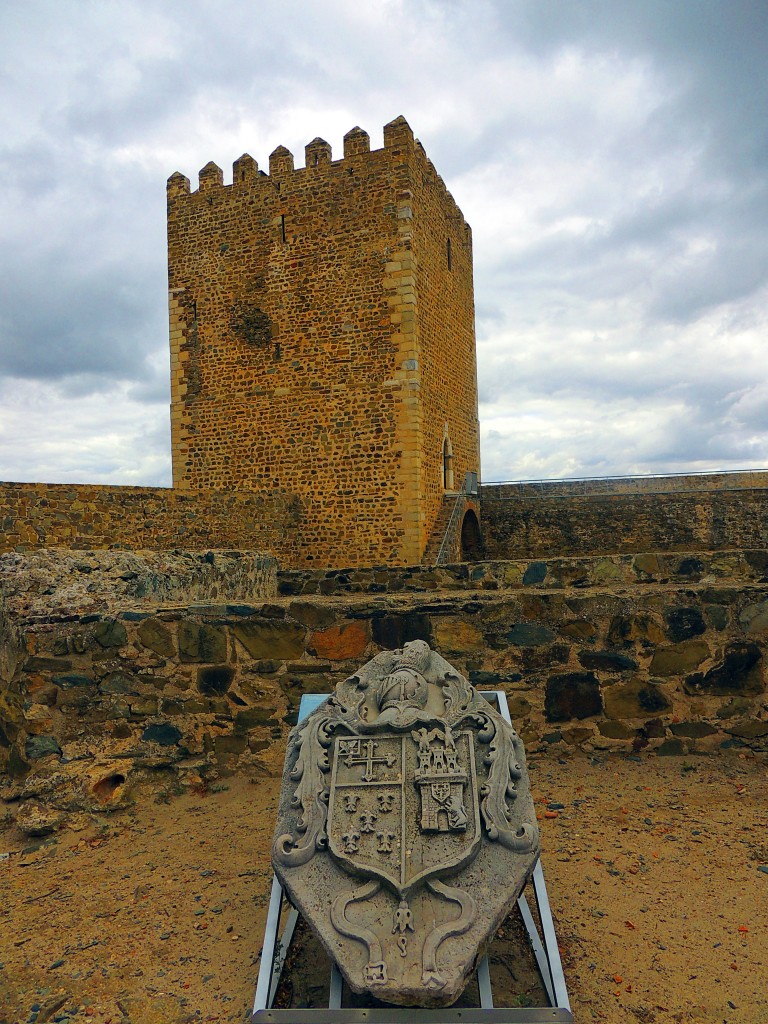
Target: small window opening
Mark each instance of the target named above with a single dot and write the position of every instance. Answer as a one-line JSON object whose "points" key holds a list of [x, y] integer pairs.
{"points": [[282, 227], [316, 161], [447, 465], [448, 253]]}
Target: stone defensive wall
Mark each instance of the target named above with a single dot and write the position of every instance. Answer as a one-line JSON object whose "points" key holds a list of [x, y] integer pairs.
{"points": [[83, 516], [707, 512], [117, 666]]}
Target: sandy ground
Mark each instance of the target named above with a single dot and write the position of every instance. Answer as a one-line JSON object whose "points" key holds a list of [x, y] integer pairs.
{"points": [[156, 914]]}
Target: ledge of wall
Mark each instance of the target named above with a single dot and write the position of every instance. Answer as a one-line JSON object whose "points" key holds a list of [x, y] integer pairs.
{"points": [[91, 516], [661, 654]]}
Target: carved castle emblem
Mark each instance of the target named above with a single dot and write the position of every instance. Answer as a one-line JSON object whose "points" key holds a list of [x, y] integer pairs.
{"points": [[405, 798], [366, 770]]}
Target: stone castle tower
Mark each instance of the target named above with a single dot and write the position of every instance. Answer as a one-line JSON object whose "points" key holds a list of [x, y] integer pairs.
{"points": [[322, 341]]}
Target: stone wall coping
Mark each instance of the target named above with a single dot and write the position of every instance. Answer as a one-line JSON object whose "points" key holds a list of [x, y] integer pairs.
{"points": [[592, 486]]}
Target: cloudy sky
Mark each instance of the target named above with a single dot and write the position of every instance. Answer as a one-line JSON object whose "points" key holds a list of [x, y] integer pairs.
{"points": [[611, 156]]}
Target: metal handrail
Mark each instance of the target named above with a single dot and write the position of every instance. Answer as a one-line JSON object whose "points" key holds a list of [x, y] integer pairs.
{"points": [[624, 476], [454, 511]]}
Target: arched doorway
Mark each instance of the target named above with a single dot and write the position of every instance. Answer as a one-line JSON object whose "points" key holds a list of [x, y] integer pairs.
{"points": [[471, 539]]}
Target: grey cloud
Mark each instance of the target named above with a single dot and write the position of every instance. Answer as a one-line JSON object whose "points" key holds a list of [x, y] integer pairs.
{"points": [[667, 178]]}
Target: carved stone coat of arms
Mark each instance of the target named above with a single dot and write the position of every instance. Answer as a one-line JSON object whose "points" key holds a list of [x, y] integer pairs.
{"points": [[406, 827]]}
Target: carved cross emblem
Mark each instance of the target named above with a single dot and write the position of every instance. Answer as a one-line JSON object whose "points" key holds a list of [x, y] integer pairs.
{"points": [[364, 752]]}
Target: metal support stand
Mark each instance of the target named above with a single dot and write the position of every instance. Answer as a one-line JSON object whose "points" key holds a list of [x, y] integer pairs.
{"points": [[544, 948]]}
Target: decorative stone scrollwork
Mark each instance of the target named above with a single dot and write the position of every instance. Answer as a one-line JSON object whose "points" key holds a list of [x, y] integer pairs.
{"points": [[404, 778]]}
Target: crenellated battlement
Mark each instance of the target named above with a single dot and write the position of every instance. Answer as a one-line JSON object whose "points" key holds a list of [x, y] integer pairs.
{"points": [[399, 143]]}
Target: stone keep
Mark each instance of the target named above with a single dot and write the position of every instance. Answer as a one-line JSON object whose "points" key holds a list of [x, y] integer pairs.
{"points": [[322, 341], [406, 828]]}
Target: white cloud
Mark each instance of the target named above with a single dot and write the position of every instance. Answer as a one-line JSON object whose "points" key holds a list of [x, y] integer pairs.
{"points": [[613, 170]]}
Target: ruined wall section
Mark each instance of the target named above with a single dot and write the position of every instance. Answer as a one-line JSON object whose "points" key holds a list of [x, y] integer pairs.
{"points": [[286, 340], [442, 242], [680, 514], [657, 653], [85, 516]]}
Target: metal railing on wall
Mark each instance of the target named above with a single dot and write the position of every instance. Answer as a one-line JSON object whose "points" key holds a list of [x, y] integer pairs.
{"points": [[700, 480]]}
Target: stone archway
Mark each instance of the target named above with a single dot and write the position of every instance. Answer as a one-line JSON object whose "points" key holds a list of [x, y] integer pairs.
{"points": [[471, 538]]}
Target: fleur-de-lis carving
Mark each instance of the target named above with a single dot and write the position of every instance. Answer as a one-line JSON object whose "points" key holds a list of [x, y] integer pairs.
{"points": [[350, 840], [386, 802], [384, 840], [366, 822], [350, 802]]}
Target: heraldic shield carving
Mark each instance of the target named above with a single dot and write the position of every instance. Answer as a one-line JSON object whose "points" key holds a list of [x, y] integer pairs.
{"points": [[406, 827]]}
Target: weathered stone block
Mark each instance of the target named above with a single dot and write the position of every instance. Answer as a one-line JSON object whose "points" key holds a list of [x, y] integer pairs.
{"points": [[572, 695], [162, 733], [530, 634], [156, 636], [226, 745], [215, 680], [253, 718], [119, 682], [754, 618], [457, 636], [684, 623], [690, 567], [606, 661], [110, 633], [752, 728], [735, 706], [616, 730], [394, 631], [38, 664], [640, 627], [679, 658], [201, 642], [692, 730], [578, 629], [37, 747], [739, 672], [272, 638], [295, 685], [342, 642], [671, 748], [535, 573], [312, 615], [71, 679], [646, 564], [635, 699], [717, 615]]}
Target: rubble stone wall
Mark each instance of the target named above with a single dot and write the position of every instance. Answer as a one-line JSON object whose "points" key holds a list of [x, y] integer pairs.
{"points": [[84, 516], [647, 654], [693, 513]]}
